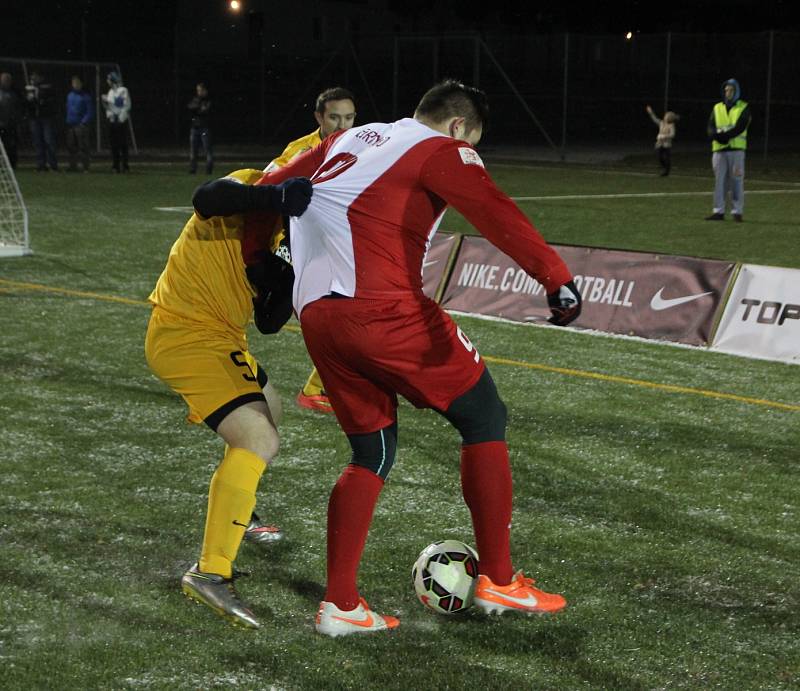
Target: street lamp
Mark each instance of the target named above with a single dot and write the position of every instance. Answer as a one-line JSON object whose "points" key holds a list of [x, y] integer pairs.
{"points": [[234, 5]]}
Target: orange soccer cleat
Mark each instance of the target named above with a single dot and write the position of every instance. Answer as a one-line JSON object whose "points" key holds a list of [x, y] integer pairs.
{"points": [[319, 402], [333, 621], [517, 596]]}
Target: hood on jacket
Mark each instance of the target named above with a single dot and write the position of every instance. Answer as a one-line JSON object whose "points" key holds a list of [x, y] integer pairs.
{"points": [[737, 91]]}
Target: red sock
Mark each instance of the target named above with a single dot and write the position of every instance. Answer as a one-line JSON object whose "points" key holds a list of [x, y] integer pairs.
{"points": [[349, 515], [486, 485]]}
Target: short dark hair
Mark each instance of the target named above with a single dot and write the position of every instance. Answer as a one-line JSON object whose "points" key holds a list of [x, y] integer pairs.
{"points": [[451, 98], [337, 93]]}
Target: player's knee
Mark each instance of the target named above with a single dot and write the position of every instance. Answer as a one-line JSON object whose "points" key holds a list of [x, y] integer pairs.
{"points": [[249, 427], [267, 444], [479, 414], [375, 451]]}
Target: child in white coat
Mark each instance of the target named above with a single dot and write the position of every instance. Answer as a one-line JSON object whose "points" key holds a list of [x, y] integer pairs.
{"points": [[666, 133]]}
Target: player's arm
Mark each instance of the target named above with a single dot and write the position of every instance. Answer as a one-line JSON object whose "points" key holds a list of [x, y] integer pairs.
{"points": [[228, 196], [456, 174]]}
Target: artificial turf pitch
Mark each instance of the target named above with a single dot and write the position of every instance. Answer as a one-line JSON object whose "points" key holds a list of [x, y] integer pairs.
{"points": [[669, 517]]}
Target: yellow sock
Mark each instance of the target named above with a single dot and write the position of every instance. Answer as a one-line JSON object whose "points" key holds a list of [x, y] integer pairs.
{"points": [[314, 385], [231, 498]]}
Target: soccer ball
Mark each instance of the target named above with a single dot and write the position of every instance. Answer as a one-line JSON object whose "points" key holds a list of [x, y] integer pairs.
{"points": [[445, 575]]}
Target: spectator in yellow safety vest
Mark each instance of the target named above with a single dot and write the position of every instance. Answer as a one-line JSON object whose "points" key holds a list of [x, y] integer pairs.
{"points": [[727, 130]]}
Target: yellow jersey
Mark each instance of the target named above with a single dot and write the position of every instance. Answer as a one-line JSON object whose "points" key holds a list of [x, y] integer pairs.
{"points": [[204, 279], [297, 147]]}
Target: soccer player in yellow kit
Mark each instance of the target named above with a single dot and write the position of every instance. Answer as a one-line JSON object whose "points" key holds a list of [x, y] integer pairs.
{"points": [[219, 269], [335, 110]]}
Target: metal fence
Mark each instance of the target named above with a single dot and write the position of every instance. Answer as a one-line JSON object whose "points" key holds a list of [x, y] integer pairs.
{"points": [[559, 91]]}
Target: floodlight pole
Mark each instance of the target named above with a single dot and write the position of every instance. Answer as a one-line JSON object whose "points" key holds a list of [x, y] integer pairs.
{"points": [[564, 103], [666, 75], [395, 76], [364, 81], [97, 109], [769, 92], [309, 89], [476, 62], [519, 97]]}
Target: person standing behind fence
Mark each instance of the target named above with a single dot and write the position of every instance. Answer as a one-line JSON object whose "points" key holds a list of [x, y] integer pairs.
{"points": [[200, 131], [727, 129], [41, 108], [117, 103], [10, 115], [666, 133], [80, 113]]}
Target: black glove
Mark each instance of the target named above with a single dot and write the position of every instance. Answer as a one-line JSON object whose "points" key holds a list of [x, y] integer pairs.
{"points": [[565, 304], [293, 196], [273, 280], [722, 137]]}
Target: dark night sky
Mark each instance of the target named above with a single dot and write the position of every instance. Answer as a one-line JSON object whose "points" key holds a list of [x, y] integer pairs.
{"points": [[115, 30]]}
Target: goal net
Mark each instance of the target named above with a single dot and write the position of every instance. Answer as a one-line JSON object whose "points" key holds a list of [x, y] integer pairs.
{"points": [[13, 214]]}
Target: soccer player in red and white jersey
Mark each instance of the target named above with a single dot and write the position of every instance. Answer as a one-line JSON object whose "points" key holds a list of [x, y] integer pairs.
{"points": [[379, 194]]}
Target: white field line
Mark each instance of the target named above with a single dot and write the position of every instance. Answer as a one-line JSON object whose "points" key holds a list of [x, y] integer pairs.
{"points": [[634, 174], [566, 197], [635, 195]]}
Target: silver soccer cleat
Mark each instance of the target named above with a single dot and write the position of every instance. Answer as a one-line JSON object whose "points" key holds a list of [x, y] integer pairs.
{"points": [[219, 594], [260, 533]]}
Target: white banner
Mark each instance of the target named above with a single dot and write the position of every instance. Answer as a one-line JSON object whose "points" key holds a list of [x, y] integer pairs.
{"points": [[762, 317]]}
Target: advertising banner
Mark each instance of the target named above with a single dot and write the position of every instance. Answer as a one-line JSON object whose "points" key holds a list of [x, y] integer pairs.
{"points": [[762, 317], [634, 293]]}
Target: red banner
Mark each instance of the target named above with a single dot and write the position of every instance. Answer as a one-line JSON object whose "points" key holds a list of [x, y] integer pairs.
{"points": [[647, 295]]}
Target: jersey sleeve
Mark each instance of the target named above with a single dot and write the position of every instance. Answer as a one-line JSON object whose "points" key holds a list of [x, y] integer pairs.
{"points": [[456, 174]]}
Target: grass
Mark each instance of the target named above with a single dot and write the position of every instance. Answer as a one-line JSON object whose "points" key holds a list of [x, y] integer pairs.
{"points": [[669, 520]]}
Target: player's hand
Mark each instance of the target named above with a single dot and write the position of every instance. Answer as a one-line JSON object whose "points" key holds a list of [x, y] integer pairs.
{"points": [[565, 304], [294, 196]]}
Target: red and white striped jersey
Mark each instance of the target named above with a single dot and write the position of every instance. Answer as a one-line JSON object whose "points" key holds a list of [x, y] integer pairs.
{"points": [[380, 191]]}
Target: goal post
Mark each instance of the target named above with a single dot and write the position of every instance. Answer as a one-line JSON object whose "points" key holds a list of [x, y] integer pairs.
{"points": [[14, 240]]}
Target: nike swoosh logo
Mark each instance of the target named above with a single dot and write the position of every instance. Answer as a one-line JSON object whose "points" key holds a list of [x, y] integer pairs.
{"points": [[427, 264], [243, 525], [527, 601], [366, 623], [658, 303]]}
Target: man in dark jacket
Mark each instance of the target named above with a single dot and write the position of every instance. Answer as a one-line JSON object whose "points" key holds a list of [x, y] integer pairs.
{"points": [[10, 115], [41, 109], [80, 113], [200, 131]]}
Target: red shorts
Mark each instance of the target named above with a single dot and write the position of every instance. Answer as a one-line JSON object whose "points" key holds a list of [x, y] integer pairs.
{"points": [[368, 351]]}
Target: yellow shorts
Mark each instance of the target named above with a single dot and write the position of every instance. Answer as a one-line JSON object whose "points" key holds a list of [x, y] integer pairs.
{"points": [[212, 370]]}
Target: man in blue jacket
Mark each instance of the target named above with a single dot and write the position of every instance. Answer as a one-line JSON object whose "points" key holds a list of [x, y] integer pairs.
{"points": [[80, 113]]}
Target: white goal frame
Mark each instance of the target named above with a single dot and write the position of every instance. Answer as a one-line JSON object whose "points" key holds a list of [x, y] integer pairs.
{"points": [[12, 211]]}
